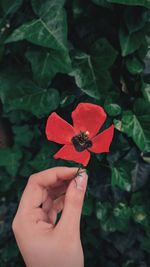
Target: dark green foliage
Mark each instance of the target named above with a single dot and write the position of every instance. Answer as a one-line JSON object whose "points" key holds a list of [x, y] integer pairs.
{"points": [[55, 54]]}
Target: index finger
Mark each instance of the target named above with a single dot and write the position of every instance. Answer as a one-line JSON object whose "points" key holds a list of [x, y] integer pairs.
{"points": [[36, 193]]}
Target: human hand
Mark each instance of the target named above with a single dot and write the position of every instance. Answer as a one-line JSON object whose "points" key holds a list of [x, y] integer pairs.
{"points": [[42, 242]]}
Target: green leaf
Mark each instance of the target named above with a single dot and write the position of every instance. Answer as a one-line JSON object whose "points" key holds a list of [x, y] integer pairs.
{"points": [[10, 6], [85, 75], [134, 65], [50, 30], [77, 8], [119, 147], [113, 219], [145, 244], [121, 175], [135, 18], [26, 170], [139, 214], [137, 125], [142, 52], [146, 157], [46, 64], [140, 175], [142, 110], [112, 109], [66, 99], [10, 159], [102, 3], [36, 32], [103, 53], [44, 158], [130, 42], [146, 92], [122, 214], [29, 97], [91, 71], [88, 205], [145, 3], [43, 8], [23, 135], [5, 182]]}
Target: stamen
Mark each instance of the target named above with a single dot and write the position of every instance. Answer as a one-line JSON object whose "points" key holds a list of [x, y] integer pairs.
{"points": [[81, 141]]}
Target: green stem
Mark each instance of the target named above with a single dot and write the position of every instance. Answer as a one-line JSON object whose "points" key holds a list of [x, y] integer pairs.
{"points": [[78, 173]]}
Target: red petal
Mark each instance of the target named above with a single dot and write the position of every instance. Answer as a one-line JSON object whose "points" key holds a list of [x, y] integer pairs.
{"points": [[68, 152], [88, 117], [102, 141], [58, 130]]}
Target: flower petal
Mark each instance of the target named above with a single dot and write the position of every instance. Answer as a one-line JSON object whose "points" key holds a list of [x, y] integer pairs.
{"points": [[68, 152], [88, 118], [58, 130], [102, 141]]}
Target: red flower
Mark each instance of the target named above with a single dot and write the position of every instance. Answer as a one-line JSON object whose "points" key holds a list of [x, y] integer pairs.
{"points": [[80, 139]]}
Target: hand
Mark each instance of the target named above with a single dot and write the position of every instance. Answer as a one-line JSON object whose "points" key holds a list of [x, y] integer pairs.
{"points": [[42, 241]]}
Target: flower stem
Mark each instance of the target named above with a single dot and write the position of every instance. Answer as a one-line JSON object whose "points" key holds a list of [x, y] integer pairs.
{"points": [[78, 173]]}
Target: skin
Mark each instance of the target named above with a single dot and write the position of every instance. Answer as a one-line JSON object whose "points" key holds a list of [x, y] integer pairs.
{"points": [[42, 241]]}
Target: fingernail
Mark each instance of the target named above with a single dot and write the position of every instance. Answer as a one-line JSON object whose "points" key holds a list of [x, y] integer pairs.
{"points": [[81, 180]]}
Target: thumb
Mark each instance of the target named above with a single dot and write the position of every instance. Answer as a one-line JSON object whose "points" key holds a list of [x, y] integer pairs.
{"points": [[71, 214]]}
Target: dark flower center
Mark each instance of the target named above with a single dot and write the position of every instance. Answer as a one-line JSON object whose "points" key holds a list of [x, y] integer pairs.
{"points": [[81, 141]]}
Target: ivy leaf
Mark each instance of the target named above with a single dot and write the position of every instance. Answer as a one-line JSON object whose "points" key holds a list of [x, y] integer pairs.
{"points": [[113, 219], [123, 242], [121, 175], [140, 171], [130, 42], [29, 97], [122, 214], [136, 125], [142, 109], [36, 32], [145, 244], [91, 71], [85, 76], [134, 65], [66, 99], [119, 147], [44, 158], [10, 6], [146, 157], [112, 109], [5, 182], [46, 64], [140, 175], [102, 3], [49, 30], [103, 53], [146, 92], [139, 214], [22, 135], [42, 8], [10, 159], [88, 205], [135, 18], [145, 3]]}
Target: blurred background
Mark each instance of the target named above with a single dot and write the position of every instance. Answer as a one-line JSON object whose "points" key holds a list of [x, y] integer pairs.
{"points": [[55, 54]]}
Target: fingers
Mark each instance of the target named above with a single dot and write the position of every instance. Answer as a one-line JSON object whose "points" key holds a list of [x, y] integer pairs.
{"points": [[36, 192], [57, 191], [57, 207], [70, 219], [51, 176], [38, 215]]}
